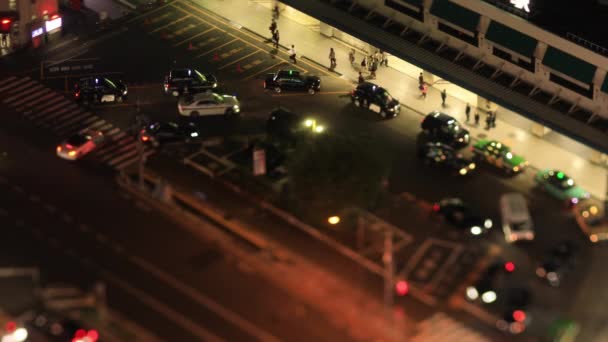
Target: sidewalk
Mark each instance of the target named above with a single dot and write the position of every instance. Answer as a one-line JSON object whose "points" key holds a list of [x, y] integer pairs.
{"points": [[300, 30]]}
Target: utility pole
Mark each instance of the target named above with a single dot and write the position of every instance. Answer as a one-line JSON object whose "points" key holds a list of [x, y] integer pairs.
{"points": [[389, 271]]}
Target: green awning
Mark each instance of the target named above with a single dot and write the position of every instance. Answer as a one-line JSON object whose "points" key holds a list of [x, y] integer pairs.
{"points": [[511, 39], [456, 14], [569, 65]]}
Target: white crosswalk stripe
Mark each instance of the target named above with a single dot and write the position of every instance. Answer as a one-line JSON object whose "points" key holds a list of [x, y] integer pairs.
{"points": [[440, 327], [13, 84], [52, 109]]}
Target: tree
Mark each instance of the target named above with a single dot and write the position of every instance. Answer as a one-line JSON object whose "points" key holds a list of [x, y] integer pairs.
{"points": [[328, 173]]}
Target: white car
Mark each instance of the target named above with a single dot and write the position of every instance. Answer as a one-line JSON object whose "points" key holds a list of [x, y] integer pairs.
{"points": [[80, 144], [208, 103]]}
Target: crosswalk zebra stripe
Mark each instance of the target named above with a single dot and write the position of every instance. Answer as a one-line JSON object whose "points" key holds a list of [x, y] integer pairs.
{"points": [[70, 114], [30, 97], [130, 154], [118, 136], [121, 147], [54, 107], [115, 146], [58, 113], [32, 104], [105, 127], [131, 161], [97, 123], [36, 88], [111, 132], [72, 120], [6, 80], [43, 106], [77, 126], [49, 112], [441, 327], [21, 80], [13, 90]]}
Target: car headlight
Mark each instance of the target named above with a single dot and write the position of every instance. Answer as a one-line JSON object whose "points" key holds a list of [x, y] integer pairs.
{"points": [[124, 92], [463, 171], [472, 166], [593, 237], [515, 168], [488, 297], [391, 109], [541, 272], [215, 85], [472, 293], [460, 139], [236, 108], [194, 134], [475, 230], [487, 223]]}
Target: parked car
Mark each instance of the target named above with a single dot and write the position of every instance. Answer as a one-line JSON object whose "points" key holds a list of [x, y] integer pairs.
{"points": [[460, 215], [441, 155], [292, 80], [377, 99], [498, 155], [80, 144], [208, 103], [188, 81], [559, 261], [160, 133], [99, 90], [560, 186], [515, 318], [486, 287], [444, 128]]}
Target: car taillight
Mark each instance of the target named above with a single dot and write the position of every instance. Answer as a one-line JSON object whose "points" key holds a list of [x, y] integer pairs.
{"points": [[72, 153], [58, 148], [144, 138], [436, 207]]}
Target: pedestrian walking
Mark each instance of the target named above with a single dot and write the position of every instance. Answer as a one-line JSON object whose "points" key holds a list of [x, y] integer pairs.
{"points": [[292, 54], [383, 58], [373, 68], [275, 39], [361, 78], [467, 111], [489, 121], [378, 56], [494, 119], [332, 58], [420, 80], [424, 88], [275, 12], [476, 118], [351, 56], [444, 95], [364, 63], [273, 26]]}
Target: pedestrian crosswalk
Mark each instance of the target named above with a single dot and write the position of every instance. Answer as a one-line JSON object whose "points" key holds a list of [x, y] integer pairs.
{"points": [[440, 327], [50, 109]]}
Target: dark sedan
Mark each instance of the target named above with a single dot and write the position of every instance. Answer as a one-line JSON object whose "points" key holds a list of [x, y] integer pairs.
{"points": [[292, 80], [188, 81], [559, 261], [160, 133], [442, 155], [460, 215]]}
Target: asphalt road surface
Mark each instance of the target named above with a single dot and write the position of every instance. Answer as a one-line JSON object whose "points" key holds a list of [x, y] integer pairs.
{"points": [[182, 34]]}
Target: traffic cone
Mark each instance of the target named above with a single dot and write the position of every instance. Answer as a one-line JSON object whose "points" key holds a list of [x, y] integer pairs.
{"points": [[216, 57], [238, 67], [190, 47]]}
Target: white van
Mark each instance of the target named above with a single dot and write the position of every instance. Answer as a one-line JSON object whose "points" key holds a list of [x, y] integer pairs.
{"points": [[516, 221]]}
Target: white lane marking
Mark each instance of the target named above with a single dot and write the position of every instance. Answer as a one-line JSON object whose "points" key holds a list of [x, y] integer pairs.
{"points": [[112, 132], [73, 119], [228, 315], [155, 304]]}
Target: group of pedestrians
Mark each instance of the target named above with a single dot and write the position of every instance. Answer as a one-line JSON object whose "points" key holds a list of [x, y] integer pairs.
{"points": [[490, 117], [274, 31]]}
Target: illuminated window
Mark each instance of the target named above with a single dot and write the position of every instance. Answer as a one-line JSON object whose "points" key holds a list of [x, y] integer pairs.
{"points": [[12, 5]]}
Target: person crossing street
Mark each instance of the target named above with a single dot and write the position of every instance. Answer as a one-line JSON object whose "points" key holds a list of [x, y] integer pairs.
{"points": [[444, 96], [351, 56], [275, 39], [467, 111], [332, 58]]}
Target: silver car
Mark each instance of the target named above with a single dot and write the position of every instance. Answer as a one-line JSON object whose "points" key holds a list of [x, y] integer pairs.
{"points": [[208, 103], [80, 144]]}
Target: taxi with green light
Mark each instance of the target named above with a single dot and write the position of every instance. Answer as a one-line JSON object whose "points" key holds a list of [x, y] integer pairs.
{"points": [[559, 185], [499, 155]]}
